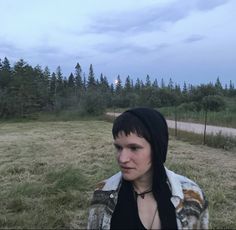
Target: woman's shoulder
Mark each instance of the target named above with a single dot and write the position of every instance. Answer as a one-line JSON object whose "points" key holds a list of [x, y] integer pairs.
{"points": [[189, 200], [110, 183], [185, 188]]}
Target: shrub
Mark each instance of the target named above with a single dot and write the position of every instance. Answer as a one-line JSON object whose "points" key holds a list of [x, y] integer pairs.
{"points": [[192, 106], [220, 141], [92, 104]]}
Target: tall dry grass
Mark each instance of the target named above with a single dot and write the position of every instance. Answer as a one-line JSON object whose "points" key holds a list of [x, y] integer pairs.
{"points": [[48, 171]]}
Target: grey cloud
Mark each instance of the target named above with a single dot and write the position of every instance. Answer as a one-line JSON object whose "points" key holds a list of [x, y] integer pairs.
{"points": [[128, 47], [134, 21], [209, 4], [110, 48], [46, 50], [8, 48], [11, 50], [115, 48], [194, 38], [150, 18]]}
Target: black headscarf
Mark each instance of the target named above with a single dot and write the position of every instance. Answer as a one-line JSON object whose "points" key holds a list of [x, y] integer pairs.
{"points": [[157, 127]]}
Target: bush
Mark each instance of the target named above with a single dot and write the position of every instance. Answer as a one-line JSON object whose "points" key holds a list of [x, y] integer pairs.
{"points": [[92, 103], [213, 103], [220, 141], [192, 106]]}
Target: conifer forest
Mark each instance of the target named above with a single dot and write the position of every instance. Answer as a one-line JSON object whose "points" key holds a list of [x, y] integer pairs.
{"points": [[25, 90]]}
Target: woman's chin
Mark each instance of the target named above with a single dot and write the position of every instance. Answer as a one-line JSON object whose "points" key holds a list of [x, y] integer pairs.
{"points": [[128, 177]]}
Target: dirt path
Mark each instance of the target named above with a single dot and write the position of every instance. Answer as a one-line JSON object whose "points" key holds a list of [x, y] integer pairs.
{"points": [[196, 127]]}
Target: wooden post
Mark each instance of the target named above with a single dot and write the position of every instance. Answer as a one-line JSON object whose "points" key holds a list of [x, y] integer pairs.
{"points": [[175, 122], [204, 136]]}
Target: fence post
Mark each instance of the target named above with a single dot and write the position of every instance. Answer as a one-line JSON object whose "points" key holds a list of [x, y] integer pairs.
{"points": [[205, 124], [175, 122]]}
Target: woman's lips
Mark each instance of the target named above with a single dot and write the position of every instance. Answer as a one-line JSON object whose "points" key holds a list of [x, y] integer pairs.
{"points": [[126, 169]]}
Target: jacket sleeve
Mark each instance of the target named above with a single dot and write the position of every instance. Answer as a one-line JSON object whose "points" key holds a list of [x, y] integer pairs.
{"points": [[204, 217], [100, 211], [94, 219]]}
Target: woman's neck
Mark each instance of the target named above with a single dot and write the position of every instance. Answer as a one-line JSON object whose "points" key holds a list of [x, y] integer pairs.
{"points": [[142, 184]]}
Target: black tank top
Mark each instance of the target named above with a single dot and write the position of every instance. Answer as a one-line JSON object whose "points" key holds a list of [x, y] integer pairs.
{"points": [[125, 215]]}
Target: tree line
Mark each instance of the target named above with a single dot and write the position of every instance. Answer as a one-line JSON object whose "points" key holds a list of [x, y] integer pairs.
{"points": [[25, 90]]}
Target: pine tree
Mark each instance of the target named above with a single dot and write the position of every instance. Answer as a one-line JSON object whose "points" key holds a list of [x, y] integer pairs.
{"points": [[53, 89], [25, 86], [118, 85], [91, 78], [104, 85], [185, 90], [148, 81], [84, 82], [46, 76], [5, 73], [162, 83], [46, 85], [170, 84], [112, 90], [128, 84], [218, 86], [0, 64], [59, 82], [6, 65], [78, 80], [155, 84], [71, 81], [6, 97], [137, 85], [231, 89]]}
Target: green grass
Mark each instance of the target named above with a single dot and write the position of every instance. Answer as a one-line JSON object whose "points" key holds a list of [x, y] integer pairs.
{"points": [[214, 170], [48, 171], [62, 115], [226, 118], [215, 141]]}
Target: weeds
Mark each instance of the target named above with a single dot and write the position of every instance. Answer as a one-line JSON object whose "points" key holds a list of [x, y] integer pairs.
{"points": [[221, 141], [216, 141], [67, 179], [225, 118]]}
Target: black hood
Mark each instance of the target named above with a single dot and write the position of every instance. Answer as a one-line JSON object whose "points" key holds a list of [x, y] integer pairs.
{"points": [[158, 130], [157, 127]]}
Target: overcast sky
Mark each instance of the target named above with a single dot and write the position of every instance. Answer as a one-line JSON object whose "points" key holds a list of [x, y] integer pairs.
{"points": [[186, 40]]}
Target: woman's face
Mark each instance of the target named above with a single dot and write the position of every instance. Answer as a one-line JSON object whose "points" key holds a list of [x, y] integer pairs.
{"points": [[133, 156]]}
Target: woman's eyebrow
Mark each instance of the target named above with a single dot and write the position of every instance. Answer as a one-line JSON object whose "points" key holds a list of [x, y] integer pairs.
{"points": [[134, 145]]}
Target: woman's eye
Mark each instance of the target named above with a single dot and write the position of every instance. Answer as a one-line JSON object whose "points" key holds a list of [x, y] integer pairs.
{"points": [[134, 148], [118, 148]]}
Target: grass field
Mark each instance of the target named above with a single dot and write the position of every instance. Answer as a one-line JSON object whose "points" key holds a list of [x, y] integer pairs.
{"points": [[225, 118], [48, 171]]}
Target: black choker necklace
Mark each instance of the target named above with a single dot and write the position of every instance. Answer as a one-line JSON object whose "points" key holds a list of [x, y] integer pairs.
{"points": [[142, 194]]}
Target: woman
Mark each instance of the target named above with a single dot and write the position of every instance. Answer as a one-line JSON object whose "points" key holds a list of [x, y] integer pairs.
{"points": [[145, 194]]}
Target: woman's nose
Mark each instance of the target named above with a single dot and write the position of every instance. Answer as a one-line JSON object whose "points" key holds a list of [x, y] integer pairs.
{"points": [[123, 156]]}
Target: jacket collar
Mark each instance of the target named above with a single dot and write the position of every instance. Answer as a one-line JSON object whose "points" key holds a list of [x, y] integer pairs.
{"points": [[175, 185], [173, 179], [113, 182]]}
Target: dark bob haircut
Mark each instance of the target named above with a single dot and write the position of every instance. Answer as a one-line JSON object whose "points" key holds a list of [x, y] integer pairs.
{"points": [[128, 123]]}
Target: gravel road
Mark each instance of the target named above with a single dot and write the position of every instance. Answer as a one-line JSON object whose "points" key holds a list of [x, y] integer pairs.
{"points": [[195, 127], [199, 128]]}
